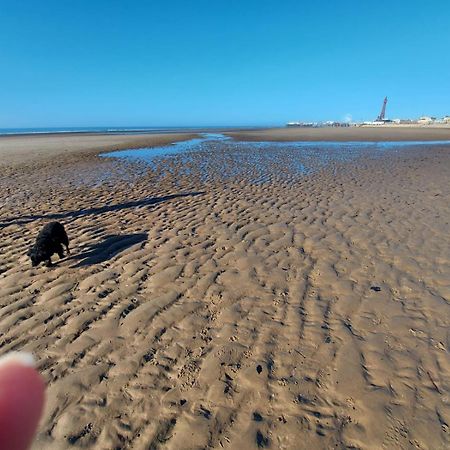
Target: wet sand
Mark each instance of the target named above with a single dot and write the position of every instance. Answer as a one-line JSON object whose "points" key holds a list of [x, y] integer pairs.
{"points": [[366, 133], [296, 312]]}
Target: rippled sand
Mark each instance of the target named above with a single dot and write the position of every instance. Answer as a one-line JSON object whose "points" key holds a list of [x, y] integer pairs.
{"points": [[242, 309]]}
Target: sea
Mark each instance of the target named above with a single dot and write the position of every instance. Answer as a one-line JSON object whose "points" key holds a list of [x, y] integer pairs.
{"points": [[116, 130]]}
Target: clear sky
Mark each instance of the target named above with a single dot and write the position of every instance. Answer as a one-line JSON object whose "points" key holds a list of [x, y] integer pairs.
{"points": [[220, 62]]}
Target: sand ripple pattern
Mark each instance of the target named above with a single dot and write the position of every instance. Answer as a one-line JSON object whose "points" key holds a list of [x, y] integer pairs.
{"points": [[296, 313]]}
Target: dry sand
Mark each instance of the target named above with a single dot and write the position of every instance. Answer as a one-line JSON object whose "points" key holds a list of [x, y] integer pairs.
{"points": [[28, 148], [305, 312], [366, 133]]}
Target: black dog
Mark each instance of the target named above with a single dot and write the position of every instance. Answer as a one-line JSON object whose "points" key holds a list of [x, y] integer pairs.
{"points": [[48, 242]]}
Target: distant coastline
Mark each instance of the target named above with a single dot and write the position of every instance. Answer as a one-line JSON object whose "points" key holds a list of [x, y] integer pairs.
{"points": [[116, 130]]}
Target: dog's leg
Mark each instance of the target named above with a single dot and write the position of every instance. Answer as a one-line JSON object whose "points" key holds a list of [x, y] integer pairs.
{"points": [[65, 241], [59, 250]]}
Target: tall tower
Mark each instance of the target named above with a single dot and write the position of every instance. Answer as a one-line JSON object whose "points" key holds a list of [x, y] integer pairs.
{"points": [[383, 110]]}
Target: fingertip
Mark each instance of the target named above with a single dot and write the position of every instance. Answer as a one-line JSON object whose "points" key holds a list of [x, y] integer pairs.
{"points": [[22, 394], [22, 358]]}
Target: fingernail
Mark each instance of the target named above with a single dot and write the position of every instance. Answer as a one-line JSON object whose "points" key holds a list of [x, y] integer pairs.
{"points": [[22, 358]]}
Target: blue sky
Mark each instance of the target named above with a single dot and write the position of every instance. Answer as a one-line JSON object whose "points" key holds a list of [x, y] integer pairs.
{"points": [[175, 63]]}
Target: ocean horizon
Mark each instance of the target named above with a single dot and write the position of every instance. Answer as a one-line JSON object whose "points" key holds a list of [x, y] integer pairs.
{"points": [[117, 129]]}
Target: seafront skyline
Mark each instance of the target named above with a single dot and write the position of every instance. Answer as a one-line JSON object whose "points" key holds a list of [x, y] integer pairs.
{"points": [[214, 64]]}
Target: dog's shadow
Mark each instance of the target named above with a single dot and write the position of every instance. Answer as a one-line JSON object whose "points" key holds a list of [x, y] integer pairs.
{"points": [[109, 247]]}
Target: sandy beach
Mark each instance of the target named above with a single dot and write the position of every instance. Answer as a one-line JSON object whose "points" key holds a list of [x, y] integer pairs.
{"points": [[366, 133], [18, 149], [215, 302]]}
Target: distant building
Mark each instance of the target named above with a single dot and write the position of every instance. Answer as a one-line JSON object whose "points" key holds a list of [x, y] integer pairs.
{"points": [[374, 123], [403, 121], [331, 123], [426, 120], [302, 124]]}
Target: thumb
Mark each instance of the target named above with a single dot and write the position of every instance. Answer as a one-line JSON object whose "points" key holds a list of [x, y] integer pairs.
{"points": [[22, 392]]}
